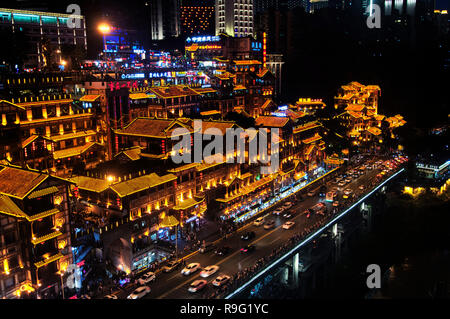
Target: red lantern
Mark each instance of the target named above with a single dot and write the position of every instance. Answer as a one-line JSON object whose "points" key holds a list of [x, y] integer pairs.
{"points": [[75, 191]]}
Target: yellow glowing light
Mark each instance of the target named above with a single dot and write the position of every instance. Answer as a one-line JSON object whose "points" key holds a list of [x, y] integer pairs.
{"points": [[110, 178], [104, 28]]}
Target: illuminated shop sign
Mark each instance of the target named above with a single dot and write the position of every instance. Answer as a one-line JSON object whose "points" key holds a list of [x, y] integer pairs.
{"points": [[133, 76], [203, 39], [283, 107], [279, 114], [256, 46]]}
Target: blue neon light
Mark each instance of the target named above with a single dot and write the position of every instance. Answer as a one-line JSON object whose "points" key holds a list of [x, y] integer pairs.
{"points": [[310, 237]]}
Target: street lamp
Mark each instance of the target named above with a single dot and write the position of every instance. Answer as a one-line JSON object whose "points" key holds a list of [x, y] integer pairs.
{"points": [[104, 29], [61, 273]]}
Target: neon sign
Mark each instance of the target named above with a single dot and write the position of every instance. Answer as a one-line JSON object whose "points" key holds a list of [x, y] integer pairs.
{"points": [[114, 86], [203, 39], [133, 76]]}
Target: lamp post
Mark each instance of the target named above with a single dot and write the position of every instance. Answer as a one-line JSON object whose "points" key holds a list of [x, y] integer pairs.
{"points": [[61, 273], [104, 29]]}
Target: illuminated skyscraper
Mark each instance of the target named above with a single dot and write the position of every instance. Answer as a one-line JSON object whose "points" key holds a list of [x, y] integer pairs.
{"points": [[197, 17], [234, 17], [164, 19]]}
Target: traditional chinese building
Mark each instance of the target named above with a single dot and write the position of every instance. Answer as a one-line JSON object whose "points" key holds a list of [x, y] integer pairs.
{"points": [[35, 232]]}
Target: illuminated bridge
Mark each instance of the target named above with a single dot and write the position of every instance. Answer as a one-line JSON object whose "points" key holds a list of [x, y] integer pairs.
{"points": [[300, 258]]}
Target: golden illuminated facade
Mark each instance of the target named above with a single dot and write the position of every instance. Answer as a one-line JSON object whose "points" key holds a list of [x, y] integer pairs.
{"points": [[197, 18], [35, 232], [357, 106]]}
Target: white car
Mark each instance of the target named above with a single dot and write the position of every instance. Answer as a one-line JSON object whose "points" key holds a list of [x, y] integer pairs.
{"points": [[139, 292], [347, 191], [221, 280], [197, 285], [190, 269], [278, 211], [287, 205], [288, 225], [208, 271], [146, 278], [259, 221]]}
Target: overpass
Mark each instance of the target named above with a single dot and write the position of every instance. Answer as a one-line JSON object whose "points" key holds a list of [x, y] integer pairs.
{"points": [[292, 255]]}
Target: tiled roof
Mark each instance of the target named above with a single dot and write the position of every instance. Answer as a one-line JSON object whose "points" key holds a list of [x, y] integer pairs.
{"points": [[90, 184], [63, 137], [222, 126], [138, 96], [89, 98], [19, 183], [141, 183], [8, 207], [355, 114], [374, 130], [271, 121], [74, 151], [168, 92], [151, 127], [355, 107]]}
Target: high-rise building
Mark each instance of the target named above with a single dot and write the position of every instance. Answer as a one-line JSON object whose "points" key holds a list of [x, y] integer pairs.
{"points": [[164, 19], [197, 17], [234, 17], [57, 28]]}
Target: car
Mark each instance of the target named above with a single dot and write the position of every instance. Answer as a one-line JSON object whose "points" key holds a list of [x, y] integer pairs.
{"points": [[110, 297], [342, 183], [139, 292], [348, 191], [222, 251], [287, 215], [278, 211], [146, 278], [190, 269], [248, 249], [288, 225], [221, 280], [248, 235], [259, 221], [348, 180], [287, 205], [336, 203], [311, 193], [362, 187], [269, 224], [171, 265], [197, 285], [208, 271]]}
